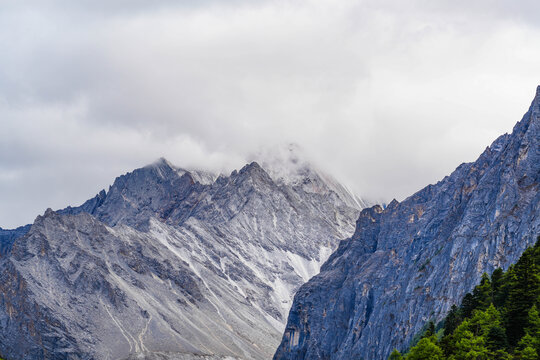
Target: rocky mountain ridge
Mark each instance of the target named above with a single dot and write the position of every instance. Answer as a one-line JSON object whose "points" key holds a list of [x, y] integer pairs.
{"points": [[169, 264], [408, 263]]}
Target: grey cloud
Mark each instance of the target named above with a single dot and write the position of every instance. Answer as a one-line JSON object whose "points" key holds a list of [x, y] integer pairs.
{"points": [[387, 95]]}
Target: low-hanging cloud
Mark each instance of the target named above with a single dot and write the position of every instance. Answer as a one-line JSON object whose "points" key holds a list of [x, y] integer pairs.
{"points": [[386, 95]]}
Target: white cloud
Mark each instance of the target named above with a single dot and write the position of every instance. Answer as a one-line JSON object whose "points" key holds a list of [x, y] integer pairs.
{"points": [[387, 95]]}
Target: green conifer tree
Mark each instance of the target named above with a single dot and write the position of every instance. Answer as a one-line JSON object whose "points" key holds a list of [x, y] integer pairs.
{"points": [[524, 292], [482, 294], [497, 287], [430, 331], [526, 348], [496, 339], [426, 349], [396, 355], [453, 319]]}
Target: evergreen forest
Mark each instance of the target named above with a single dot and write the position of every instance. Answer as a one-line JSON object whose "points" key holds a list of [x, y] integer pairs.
{"points": [[499, 319]]}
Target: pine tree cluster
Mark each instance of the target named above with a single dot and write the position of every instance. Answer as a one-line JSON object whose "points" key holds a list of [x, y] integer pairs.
{"points": [[499, 320]]}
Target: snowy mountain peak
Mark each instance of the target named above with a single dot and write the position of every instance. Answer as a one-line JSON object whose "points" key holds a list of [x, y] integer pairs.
{"points": [[203, 177], [287, 164], [172, 260], [254, 171], [290, 165], [252, 167], [161, 163]]}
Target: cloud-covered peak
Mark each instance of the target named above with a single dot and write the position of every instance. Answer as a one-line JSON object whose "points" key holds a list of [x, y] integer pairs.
{"points": [[284, 162]]}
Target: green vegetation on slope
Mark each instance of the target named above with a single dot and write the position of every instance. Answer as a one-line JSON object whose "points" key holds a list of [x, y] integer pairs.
{"points": [[499, 320]]}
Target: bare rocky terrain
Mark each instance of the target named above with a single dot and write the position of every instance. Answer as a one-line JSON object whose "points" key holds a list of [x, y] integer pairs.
{"points": [[170, 263]]}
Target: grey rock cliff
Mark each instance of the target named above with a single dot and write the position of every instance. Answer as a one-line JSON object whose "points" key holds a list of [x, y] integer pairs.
{"points": [[170, 263], [8, 237], [408, 263]]}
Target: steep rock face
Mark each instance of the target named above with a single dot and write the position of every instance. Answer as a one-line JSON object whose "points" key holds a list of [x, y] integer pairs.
{"points": [[170, 263], [8, 236], [408, 263]]}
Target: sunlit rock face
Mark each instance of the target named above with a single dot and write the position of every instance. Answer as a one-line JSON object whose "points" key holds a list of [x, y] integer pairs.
{"points": [[171, 264], [408, 263]]}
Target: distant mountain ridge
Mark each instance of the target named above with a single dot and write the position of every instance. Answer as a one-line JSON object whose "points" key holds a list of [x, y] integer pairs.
{"points": [[409, 262], [169, 261]]}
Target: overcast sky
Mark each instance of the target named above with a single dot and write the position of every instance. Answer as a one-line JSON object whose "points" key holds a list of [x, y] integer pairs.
{"points": [[388, 96]]}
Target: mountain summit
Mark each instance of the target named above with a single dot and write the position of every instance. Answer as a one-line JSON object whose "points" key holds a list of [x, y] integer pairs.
{"points": [[288, 165], [168, 263], [410, 262]]}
